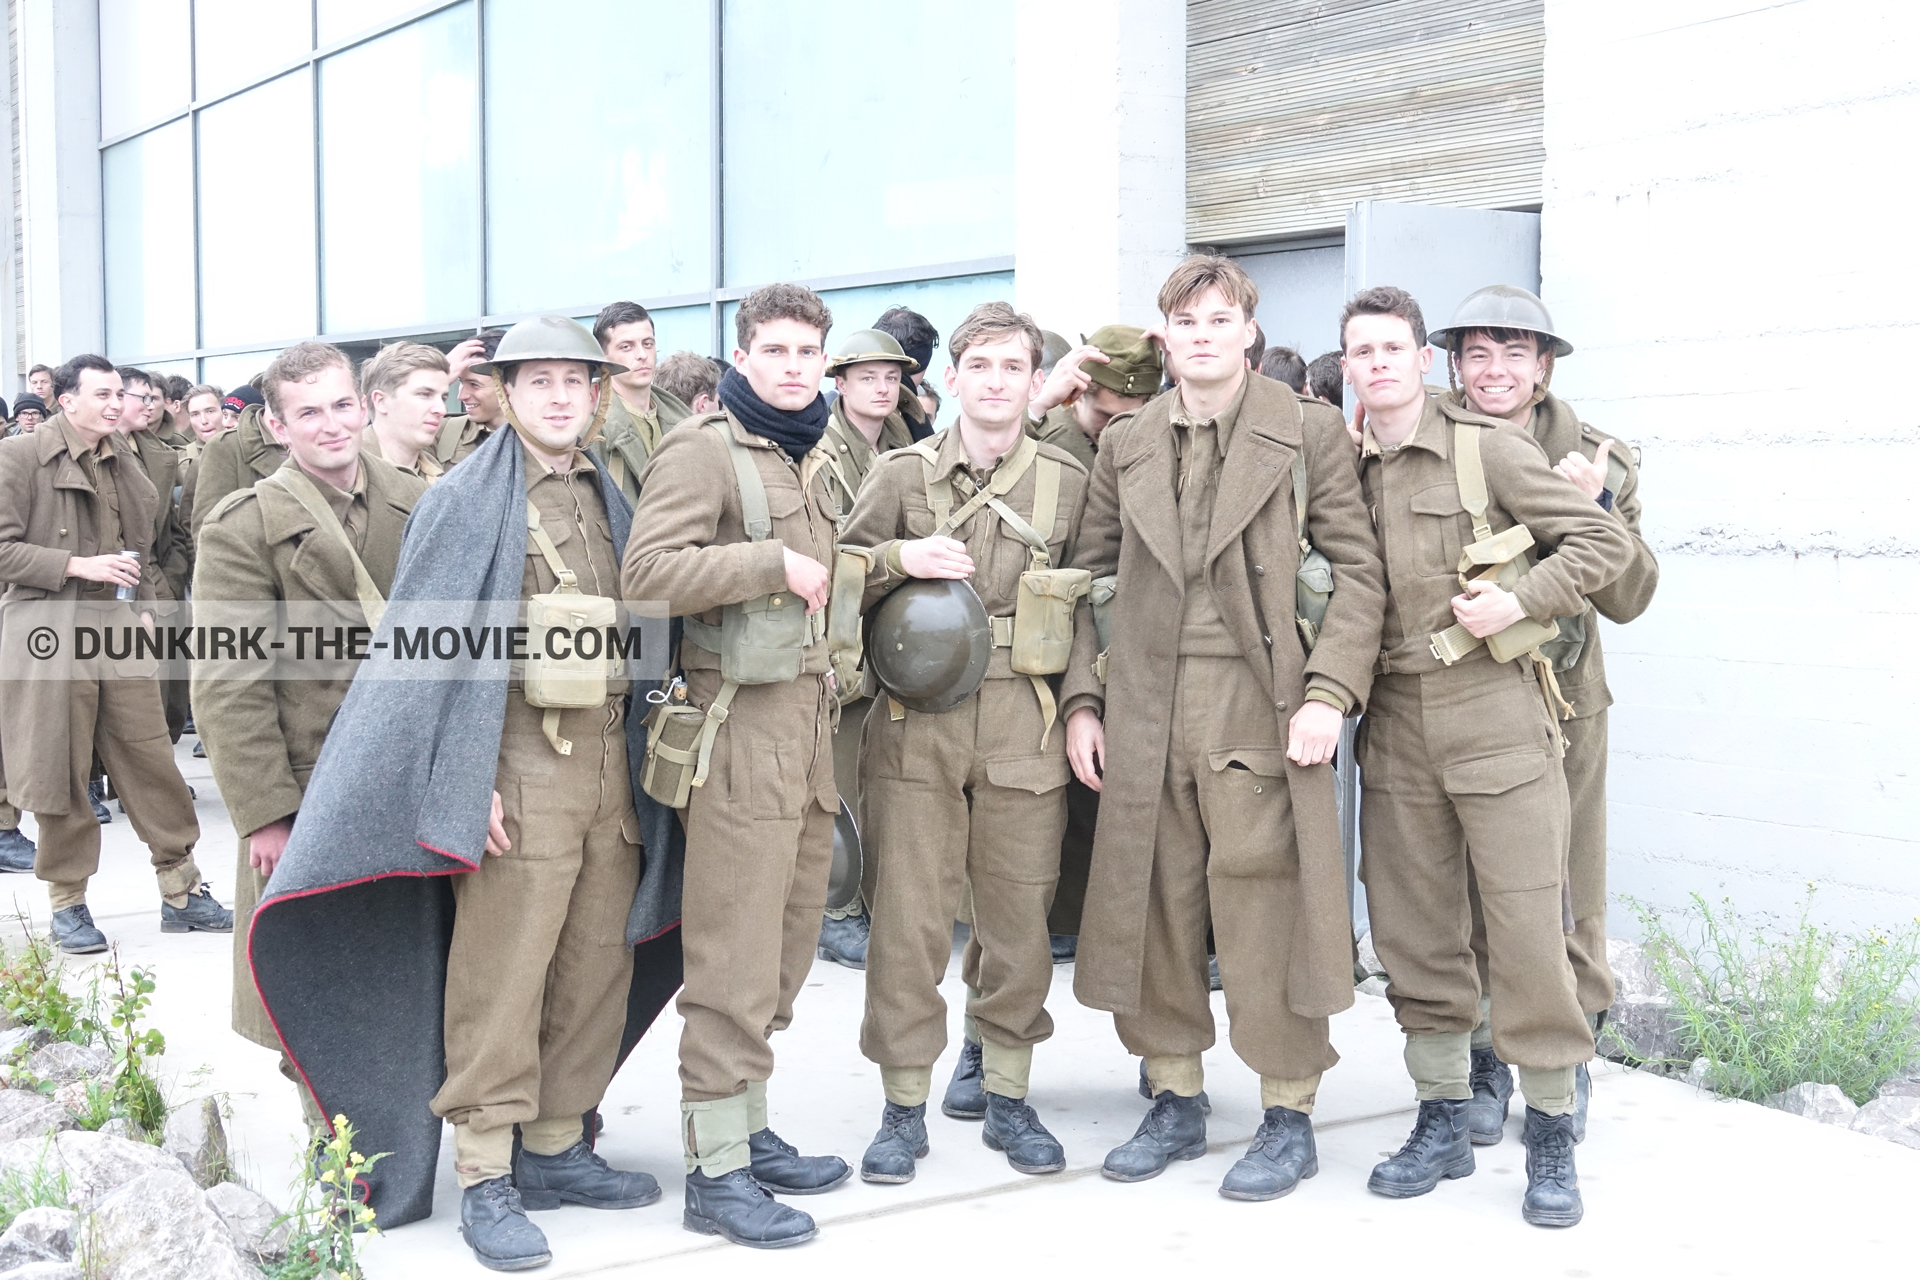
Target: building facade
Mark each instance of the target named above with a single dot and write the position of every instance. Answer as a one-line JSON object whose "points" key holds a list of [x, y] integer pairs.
{"points": [[196, 183]]}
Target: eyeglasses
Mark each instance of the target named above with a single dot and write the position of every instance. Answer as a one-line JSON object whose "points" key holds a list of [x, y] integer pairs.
{"points": [[128, 395]]}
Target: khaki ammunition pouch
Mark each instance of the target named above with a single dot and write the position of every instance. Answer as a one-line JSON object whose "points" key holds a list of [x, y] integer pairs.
{"points": [[1042, 624], [1502, 559], [846, 652], [1313, 580], [1100, 594], [763, 640], [569, 681]]}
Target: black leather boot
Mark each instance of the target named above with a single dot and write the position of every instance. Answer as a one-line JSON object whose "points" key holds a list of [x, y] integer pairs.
{"points": [[736, 1206], [1582, 1095], [73, 929], [16, 851], [1014, 1128], [97, 797], [901, 1141], [1438, 1148], [1553, 1185], [783, 1170], [1175, 1129], [1492, 1082], [967, 1092], [494, 1224], [844, 941], [202, 913], [1281, 1155], [578, 1176], [1146, 1091], [1064, 946]]}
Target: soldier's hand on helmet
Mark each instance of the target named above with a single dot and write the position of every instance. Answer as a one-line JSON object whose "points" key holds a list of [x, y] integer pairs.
{"points": [[1067, 381], [1087, 746], [1313, 733], [497, 842], [265, 846], [114, 569], [936, 557], [1487, 608], [1589, 478], [808, 579], [464, 356]]}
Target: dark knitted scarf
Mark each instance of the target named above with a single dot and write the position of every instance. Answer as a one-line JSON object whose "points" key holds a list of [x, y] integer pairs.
{"points": [[796, 433]]}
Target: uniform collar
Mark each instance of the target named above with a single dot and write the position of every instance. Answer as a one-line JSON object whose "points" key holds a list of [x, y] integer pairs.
{"points": [[952, 455], [1222, 423], [1430, 433], [77, 447]]}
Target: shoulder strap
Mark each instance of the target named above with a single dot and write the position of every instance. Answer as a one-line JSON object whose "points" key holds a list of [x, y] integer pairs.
{"points": [[1046, 506], [1008, 475], [1300, 496], [753, 493], [549, 552], [939, 492], [295, 482], [1471, 477]]}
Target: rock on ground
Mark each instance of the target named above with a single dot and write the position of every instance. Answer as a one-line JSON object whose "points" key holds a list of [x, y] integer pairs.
{"points": [[45, 1271], [160, 1226], [1822, 1102], [29, 1038], [1895, 1119], [257, 1229], [39, 1235], [26, 1114], [96, 1164], [1907, 1086], [195, 1134], [1368, 964], [63, 1062]]}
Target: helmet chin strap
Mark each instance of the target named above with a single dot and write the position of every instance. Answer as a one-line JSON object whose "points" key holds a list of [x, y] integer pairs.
{"points": [[601, 406]]}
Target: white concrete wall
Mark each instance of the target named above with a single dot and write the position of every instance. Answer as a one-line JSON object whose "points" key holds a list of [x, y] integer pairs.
{"points": [[60, 264], [1727, 238], [1100, 90]]}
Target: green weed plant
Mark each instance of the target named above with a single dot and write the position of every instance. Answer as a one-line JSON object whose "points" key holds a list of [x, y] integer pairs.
{"points": [[327, 1220], [1772, 1009], [22, 1189]]}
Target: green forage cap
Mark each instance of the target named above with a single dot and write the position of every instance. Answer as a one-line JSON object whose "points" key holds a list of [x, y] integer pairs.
{"points": [[1133, 362]]}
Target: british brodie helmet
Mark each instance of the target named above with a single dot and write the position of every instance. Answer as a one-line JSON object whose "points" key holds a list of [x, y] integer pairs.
{"points": [[1500, 306], [928, 643]]}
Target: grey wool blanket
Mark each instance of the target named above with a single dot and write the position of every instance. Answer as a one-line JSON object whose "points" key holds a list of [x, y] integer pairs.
{"points": [[349, 943]]}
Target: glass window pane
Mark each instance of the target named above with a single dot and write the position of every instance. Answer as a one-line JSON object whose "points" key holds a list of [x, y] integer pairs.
{"points": [[143, 63], [238, 41], [944, 302], [399, 183], [599, 187], [843, 158], [148, 219], [228, 372], [342, 18], [256, 215], [683, 329]]}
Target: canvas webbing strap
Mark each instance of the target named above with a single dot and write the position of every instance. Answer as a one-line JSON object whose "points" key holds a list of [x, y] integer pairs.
{"points": [[1300, 499], [716, 716], [1471, 477], [549, 552], [753, 493], [372, 604]]}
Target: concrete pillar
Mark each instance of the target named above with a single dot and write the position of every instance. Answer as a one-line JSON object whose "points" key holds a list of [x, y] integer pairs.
{"points": [[1100, 89], [59, 262]]}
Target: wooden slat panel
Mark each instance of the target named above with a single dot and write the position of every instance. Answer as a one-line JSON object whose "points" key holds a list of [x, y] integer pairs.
{"points": [[1296, 109]]}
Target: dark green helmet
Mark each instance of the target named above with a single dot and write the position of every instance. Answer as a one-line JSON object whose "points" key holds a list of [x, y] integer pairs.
{"points": [[928, 643], [871, 344], [1500, 306], [843, 881], [1052, 347], [550, 338]]}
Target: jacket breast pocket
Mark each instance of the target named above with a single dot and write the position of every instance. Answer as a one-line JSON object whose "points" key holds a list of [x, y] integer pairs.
{"points": [[919, 522], [1437, 537]]}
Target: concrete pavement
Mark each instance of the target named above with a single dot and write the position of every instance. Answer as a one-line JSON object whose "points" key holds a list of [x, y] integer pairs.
{"points": [[1674, 1179]]}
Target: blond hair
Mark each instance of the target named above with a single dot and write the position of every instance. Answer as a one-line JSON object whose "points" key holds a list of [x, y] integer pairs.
{"points": [[1205, 271], [394, 363]]}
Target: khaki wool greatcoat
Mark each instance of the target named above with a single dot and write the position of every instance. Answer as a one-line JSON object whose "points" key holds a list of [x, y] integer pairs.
{"points": [[1132, 527], [263, 734], [48, 514], [234, 459], [626, 442]]}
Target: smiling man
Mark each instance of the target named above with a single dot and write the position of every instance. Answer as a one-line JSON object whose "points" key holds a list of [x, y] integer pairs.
{"points": [[734, 532], [1461, 750], [405, 386], [1503, 347], [297, 536], [642, 412], [1211, 737], [70, 501]]}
